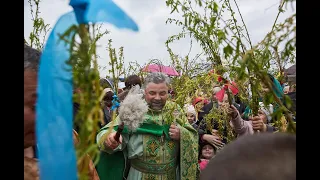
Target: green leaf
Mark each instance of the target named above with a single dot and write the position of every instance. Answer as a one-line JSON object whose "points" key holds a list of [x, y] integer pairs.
{"points": [[183, 8], [208, 31], [268, 98], [168, 2], [221, 35], [174, 9], [213, 20], [227, 51], [215, 7], [186, 20], [196, 21]]}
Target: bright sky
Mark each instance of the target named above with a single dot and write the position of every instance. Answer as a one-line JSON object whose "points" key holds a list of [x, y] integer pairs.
{"points": [[150, 16]]}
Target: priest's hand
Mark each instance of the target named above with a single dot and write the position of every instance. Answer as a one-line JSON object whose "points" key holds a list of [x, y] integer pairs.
{"points": [[111, 142], [174, 132]]}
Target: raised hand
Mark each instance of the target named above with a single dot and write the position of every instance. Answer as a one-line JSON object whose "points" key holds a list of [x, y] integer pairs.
{"points": [[111, 142]]}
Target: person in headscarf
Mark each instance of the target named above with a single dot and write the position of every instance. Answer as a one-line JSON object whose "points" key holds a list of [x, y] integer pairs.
{"points": [[265, 112], [191, 115], [199, 102], [212, 137]]}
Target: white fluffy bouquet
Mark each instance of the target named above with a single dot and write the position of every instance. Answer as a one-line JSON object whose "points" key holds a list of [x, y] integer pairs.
{"points": [[133, 108]]}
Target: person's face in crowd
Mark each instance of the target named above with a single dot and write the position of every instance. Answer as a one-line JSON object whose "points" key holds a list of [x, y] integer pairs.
{"points": [[207, 152], [286, 89], [107, 100], [214, 92], [191, 117], [156, 95], [263, 116], [225, 101], [199, 105], [265, 88], [30, 96], [108, 103]]}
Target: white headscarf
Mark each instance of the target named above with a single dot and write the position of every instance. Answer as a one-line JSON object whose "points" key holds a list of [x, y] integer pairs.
{"points": [[190, 109], [268, 111]]}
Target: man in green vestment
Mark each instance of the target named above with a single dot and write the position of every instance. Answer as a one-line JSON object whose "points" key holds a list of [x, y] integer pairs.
{"points": [[164, 147]]}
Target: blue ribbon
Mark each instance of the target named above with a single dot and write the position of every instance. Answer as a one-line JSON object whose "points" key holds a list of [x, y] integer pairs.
{"points": [[115, 102], [57, 159]]}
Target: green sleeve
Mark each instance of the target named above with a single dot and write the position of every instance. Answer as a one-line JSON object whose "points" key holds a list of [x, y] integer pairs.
{"points": [[103, 134]]}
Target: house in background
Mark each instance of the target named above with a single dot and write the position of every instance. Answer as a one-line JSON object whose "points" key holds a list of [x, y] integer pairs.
{"points": [[290, 74]]}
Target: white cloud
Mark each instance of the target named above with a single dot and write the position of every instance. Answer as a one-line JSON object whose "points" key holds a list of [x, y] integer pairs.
{"points": [[151, 15]]}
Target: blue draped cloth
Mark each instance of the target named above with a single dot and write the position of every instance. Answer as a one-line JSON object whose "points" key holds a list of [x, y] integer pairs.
{"points": [[57, 158]]}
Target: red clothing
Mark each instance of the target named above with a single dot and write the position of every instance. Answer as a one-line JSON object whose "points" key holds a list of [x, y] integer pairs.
{"points": [[203, 163]]}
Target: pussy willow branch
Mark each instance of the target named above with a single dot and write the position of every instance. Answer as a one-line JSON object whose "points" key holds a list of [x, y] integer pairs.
{"points": [[235, 23], [84, 47], [279, 11], [268, 83], [219, 17], [245, 27], [206, 41], [254, 95]]}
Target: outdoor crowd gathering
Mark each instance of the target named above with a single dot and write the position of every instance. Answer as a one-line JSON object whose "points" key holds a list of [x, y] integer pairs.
{"points": [[171, 148], [176, 122]]}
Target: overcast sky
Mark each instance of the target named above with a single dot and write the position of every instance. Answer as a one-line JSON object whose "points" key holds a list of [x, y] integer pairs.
{"points": [[150, 15]]}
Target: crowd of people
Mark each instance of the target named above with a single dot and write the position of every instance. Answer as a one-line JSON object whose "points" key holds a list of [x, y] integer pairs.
{"points": [[182, 146]]}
